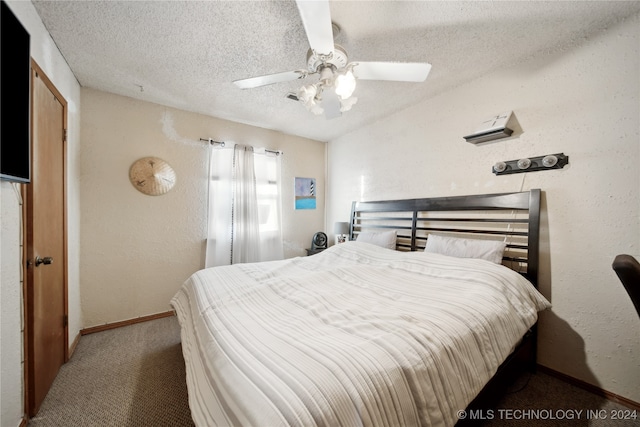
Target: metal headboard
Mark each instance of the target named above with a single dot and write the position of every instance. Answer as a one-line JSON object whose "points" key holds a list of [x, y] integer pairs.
{"points": [[512, 217]]}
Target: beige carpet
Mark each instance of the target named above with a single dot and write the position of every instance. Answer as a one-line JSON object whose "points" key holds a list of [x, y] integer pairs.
{"points": [[130, 376], [543, 400], [135, 376]]}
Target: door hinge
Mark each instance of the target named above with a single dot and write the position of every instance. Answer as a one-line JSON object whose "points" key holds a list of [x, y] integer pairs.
{"points": [[64, 137], [65, 320]]}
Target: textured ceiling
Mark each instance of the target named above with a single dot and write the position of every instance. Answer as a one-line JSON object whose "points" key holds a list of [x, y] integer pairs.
{"points": [[186, 54]]}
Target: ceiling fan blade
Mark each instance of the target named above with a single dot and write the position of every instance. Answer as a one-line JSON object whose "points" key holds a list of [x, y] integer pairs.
{"points": [[316, 18], [270, 79], [394, 71]]}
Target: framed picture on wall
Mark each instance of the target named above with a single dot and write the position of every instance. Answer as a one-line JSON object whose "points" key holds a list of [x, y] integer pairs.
{"points": [[305, 193]]}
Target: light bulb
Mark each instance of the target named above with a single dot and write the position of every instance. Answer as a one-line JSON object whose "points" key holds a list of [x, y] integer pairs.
{"points": [[524, 163], [345, 84], [549, 161], [500, 167]]}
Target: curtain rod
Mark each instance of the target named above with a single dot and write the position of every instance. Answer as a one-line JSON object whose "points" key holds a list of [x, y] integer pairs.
{"points": [[221, 143]]}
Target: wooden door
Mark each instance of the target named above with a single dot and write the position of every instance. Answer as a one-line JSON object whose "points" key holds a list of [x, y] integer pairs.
{"points": [[46, 286]]}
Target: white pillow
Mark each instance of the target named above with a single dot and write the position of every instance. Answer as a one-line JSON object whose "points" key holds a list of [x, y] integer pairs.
{"points": [[490, 250], [385, 239]]}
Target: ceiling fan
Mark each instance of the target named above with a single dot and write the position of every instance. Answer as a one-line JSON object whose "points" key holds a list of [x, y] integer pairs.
{"points": [[332, 93]]}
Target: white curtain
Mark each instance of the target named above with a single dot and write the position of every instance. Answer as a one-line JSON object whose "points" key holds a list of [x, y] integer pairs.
{"points": [[244, 222]]}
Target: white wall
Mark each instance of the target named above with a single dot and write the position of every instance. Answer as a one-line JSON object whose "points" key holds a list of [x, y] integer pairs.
{"points": [[10, 305], [585, 103], [46, 54], [137, 250]]}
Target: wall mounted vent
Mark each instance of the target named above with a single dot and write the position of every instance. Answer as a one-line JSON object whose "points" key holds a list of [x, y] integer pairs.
{"points": [[492, 129]]}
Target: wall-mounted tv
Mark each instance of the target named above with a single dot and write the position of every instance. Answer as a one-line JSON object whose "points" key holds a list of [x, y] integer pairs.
{"points": [[15, 78]]}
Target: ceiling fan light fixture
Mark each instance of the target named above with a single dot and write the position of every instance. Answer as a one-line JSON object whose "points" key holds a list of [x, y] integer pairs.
{"points": [[345, 84], [327, 74], [308, 96], [313, 107], [331, 63], [316, 109], [346, 104], [307, 93]]}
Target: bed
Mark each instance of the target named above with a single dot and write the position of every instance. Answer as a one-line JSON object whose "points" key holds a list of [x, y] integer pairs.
{"points": [[366, 335]]}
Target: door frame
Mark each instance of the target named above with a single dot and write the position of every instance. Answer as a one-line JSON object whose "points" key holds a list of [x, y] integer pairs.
{"points": [[27, 229]]}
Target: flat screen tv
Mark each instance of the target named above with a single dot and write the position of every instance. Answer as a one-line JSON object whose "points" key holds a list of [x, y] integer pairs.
{"points": [[15, 78]]}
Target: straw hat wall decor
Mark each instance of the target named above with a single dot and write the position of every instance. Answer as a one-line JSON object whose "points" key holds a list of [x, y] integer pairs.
{"points": [[152, 176]]}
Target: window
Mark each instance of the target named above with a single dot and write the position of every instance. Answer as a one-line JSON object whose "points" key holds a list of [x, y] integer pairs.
{"points": [[244, 222]]}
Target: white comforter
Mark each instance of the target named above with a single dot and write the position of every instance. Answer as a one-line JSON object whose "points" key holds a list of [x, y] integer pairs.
{"points": [[355, 335]]}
